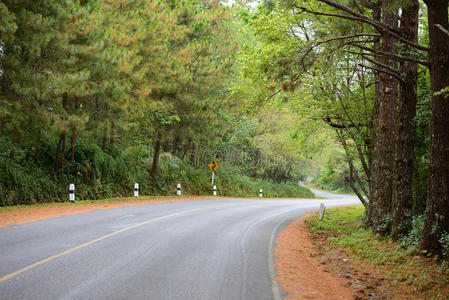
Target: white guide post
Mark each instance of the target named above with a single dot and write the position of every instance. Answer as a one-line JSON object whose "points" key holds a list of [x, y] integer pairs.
{"points": [[260, 193], [322, 208], [72, 192], [136, 190], [215, 190], [178, 188]]}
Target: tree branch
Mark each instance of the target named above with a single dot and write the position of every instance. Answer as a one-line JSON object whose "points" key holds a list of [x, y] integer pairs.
{"points": [[334, 39], [356, 16], [393, 55], [356, 191], [384, 66], [442, 29], [383, 71]]}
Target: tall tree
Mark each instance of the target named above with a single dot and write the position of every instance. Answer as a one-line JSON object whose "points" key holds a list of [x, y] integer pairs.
{"points": [[405, 134], [437, 211]]}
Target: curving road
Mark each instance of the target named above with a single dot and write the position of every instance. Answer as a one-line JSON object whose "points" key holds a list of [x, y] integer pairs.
{"points": [[204, 249]]}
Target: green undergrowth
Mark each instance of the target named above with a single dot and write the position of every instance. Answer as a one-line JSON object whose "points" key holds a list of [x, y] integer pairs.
{"points": [[344, 228], [111, 173]]}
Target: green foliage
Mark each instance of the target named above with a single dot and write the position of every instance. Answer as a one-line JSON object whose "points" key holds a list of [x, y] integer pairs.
{"points": [[413, 228], [444, 240], [105, 174]]}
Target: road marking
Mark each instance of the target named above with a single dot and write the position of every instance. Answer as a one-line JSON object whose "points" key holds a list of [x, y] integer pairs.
{"points": [[274, 284], [48, 259]]}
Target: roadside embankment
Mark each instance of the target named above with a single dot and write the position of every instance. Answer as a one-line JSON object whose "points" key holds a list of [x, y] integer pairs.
{"points": [[339, 254]]}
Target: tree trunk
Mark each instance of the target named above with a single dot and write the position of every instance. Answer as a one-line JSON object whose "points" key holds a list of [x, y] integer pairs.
{"points": [[176, 142], [437, 211], [166, 146], [37, 150], [61, 161], [193, 156], [111, 134], [186, 148], [377, 88], [157, 149], [57, 154], [405, 132], [384, 124], [72, 147], [105, 140]]}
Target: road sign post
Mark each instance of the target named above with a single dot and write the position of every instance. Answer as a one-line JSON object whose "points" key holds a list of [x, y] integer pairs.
{"points": [[136, 190], [213, 166], [72, 192], [322, 208]]}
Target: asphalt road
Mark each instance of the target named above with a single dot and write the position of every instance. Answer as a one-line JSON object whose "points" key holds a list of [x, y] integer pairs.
{"points": [[204, 249]]}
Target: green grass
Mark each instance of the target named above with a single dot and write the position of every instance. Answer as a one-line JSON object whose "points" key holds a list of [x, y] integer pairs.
{"points": [[344, 228], [338, 220]]}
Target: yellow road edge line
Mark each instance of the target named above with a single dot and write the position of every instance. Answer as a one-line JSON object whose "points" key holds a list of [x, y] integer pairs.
{"points": [[38, 263]]}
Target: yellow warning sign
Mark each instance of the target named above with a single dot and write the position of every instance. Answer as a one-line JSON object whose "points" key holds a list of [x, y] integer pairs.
{"points": [[214, 166]]}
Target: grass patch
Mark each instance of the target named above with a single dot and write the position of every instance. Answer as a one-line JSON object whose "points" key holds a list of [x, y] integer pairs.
{"points": [[408, 271]]}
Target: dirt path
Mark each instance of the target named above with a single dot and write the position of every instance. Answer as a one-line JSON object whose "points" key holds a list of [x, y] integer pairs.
{"points": [[22, 216], [300, 273], [309, 269]]}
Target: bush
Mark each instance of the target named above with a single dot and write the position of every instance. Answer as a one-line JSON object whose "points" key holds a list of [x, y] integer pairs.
{"points": [[111, 173], [414, 229], [444, 240]]}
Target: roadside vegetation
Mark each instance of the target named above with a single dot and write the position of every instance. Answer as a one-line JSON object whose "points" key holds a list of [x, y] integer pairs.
{"points": [[400, 263], [113, 174]]}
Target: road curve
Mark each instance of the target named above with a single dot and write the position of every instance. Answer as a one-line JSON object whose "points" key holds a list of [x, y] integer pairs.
{"points": [[204, 249]]}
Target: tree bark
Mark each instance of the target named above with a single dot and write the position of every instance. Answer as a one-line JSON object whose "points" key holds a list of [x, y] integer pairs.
{"points": [[176, 142], [111, 134], [381, 183], [72, 147], [157, 149], [193, 156], [166, 146], [57, 154], [61, 161], [37, 150], [377, 88], [405, 132], [186, 148], [437, 211], [104, 142]]}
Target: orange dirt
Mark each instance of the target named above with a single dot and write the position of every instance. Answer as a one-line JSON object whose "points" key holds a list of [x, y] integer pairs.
{"points": [[299, 273], [41, 213], [308, 268]]}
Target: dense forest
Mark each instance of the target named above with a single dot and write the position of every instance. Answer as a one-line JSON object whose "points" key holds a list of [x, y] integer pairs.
{"points": [[343, 94], [104, 94]]}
